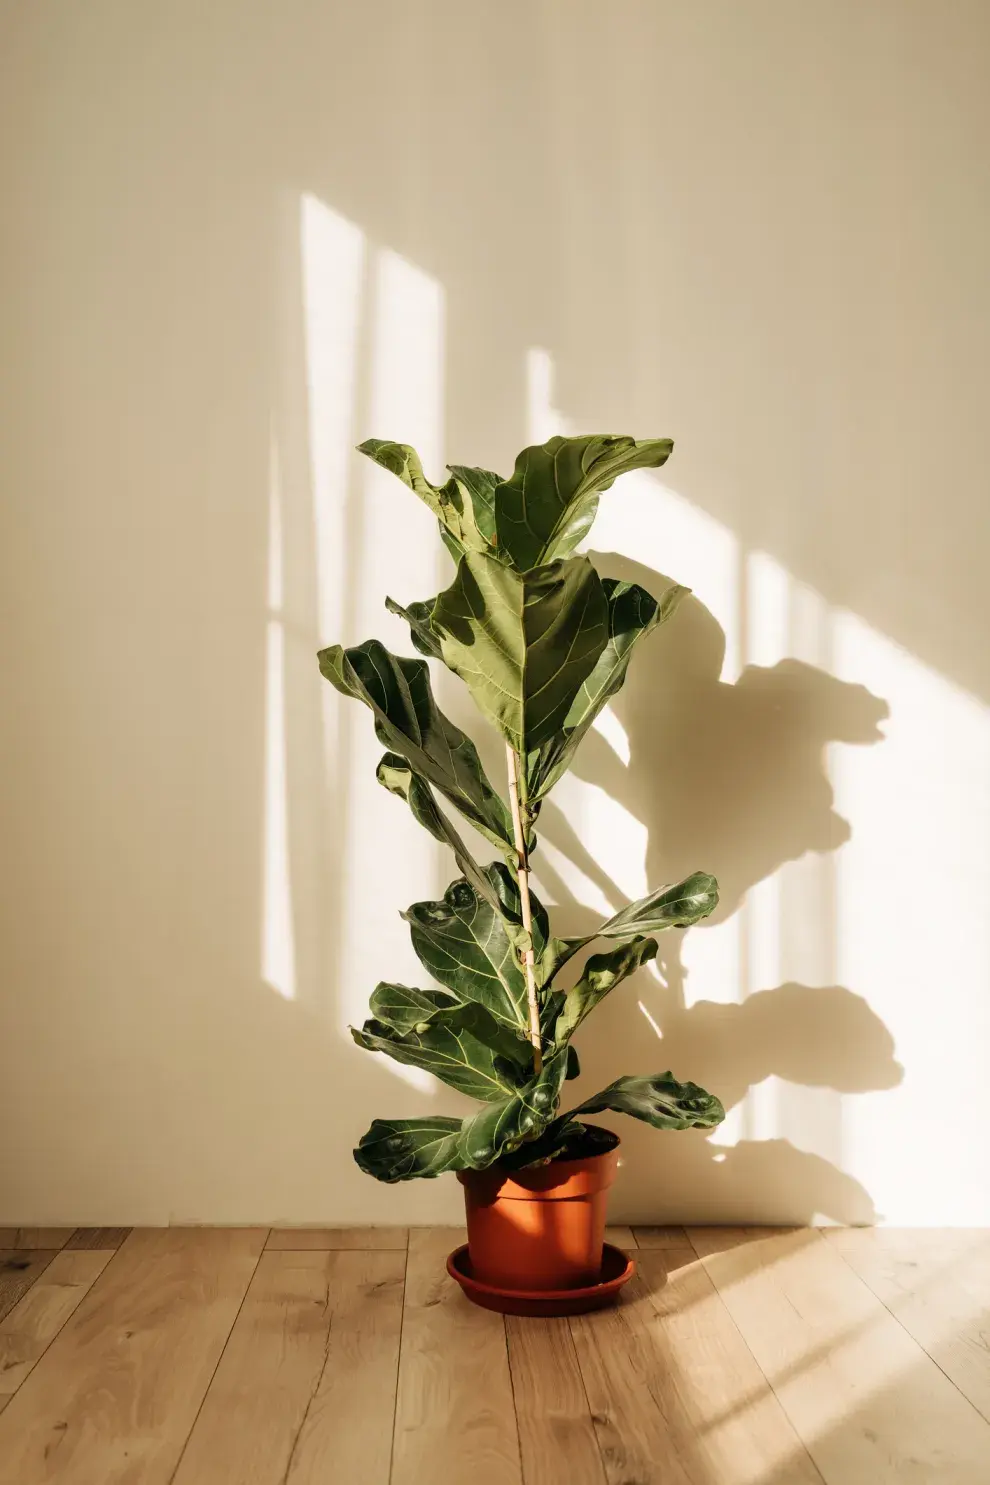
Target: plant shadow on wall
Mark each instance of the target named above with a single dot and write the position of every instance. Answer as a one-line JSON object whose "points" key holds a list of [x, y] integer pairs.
{"points": [[732, 776]]}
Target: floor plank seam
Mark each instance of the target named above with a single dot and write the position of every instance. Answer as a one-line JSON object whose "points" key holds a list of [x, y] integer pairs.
{"points": [[515, 1410], [313, 1393], [93, 1288], [398, 1357], [223, 1349], [23, 1257], [584, 1388]]}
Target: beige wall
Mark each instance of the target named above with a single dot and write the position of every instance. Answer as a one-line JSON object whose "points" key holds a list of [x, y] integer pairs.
{"points": [[238, 237]]}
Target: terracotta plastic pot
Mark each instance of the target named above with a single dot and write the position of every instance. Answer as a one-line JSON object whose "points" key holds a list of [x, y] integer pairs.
{"points": [[540, 1229]]}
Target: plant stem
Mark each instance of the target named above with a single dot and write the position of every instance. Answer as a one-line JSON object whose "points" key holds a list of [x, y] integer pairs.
{"points": [[529, 957]]}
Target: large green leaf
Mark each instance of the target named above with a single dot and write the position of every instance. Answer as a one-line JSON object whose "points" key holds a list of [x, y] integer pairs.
{"points": [[678, 906], [632, 614], [403, 1009], [506, 889], [523, 642], [465, 1048], [659, 1100], [421, 632], [502, 1127], [464, 941], [394, 774], [408, 720], [404, 1149], [601, 974], [668, 907], [549, 503], [561, 1139], [479, 485], [464, 506]]}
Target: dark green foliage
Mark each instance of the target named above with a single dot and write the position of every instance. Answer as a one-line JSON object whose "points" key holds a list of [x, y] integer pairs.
{"points": [[542, 643]]}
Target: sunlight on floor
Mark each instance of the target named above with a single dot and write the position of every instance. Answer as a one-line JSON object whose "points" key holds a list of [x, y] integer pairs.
{"points": [[818, 1332]]}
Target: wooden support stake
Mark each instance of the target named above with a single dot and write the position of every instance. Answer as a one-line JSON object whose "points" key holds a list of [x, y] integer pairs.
{"points": [[529, 958]]}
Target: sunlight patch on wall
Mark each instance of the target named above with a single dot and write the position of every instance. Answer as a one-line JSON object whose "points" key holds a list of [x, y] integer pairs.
{"points": [[642, 519], [611, 729], [333, 257], [392, 549], [767, 609], [374, 341], [580, 886], [278, 956], [913, 931], [543, 420]]}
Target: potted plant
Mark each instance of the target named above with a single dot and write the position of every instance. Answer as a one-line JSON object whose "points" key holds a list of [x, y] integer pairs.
{"points": [[542, 642]]}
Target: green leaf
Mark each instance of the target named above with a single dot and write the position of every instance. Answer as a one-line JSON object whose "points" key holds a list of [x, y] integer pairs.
{"points": [[479, 486], [395, 775], [668, 907], [464, 1048], [408, 720], [502, 1127], [563, 1139], [417, 616], [463, 941], [659, 1100], [549, 503], [464, 506], [632, 614], [402, 1149], [552, 1002], [506, 889], [601, 974], [403, 1009], [678, 906], [405, 1149], [524, 643], [557, 1140]]}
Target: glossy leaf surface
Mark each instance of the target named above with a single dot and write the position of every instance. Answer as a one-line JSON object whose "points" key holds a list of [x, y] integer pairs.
{"points": [[408, 720], [524, 643], [549, 503]]}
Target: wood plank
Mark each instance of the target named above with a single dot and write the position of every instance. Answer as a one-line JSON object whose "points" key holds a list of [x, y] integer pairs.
{"points": [[742, 1434], [114, 1397], [937, 1284], [643, 1433], [34, 1323], [96, 1238], [54, 1238], [348, 1430], [660, 1237], [18, 1271], [556, 1434], [326, 1239], [305, 1391], [454, 1415], [620, 1237], [870, 1406]]}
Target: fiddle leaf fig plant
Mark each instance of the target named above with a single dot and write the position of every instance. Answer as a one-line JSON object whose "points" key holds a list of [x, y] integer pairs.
{"points": [[541, 641]]}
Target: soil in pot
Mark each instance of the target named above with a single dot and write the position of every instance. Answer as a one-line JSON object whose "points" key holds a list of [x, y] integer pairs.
{"points": [[542, 1227]]}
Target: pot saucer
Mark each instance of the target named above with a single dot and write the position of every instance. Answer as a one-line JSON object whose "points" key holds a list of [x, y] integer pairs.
{"points": [[617, 1269]]}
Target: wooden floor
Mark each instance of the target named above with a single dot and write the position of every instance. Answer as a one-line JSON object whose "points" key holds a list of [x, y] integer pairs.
{"points": [[205, 1356]]}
